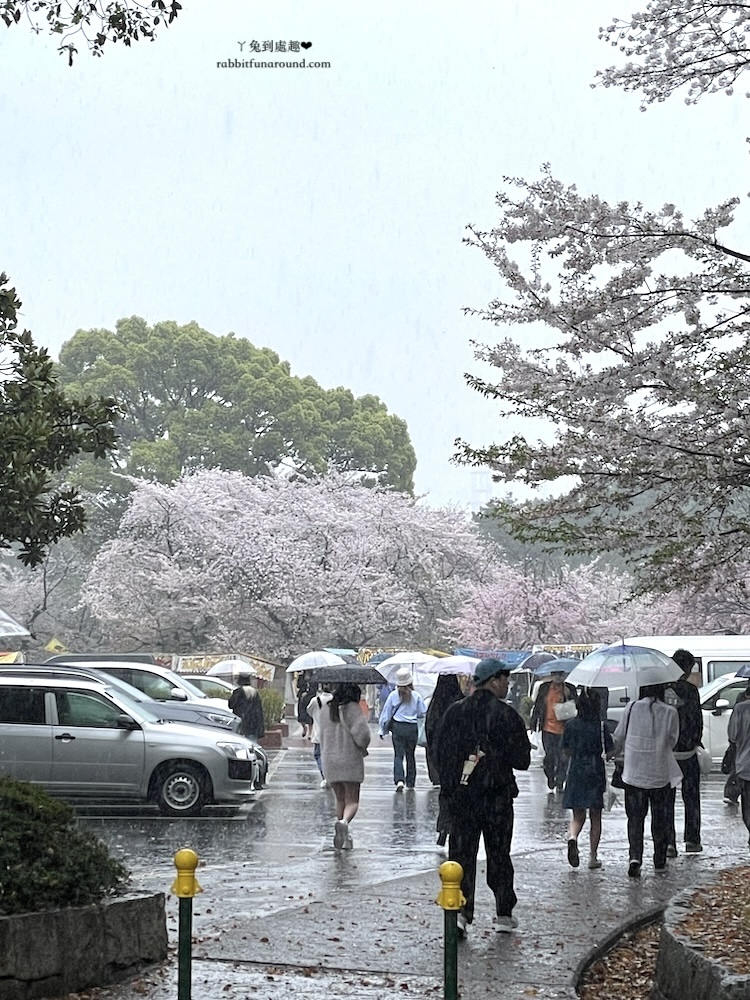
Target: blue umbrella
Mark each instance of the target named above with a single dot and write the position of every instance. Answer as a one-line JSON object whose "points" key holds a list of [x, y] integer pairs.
{"points": [[562, 666]]}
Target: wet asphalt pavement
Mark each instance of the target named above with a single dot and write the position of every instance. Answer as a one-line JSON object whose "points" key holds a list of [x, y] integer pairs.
{"points": [[282, 911]]}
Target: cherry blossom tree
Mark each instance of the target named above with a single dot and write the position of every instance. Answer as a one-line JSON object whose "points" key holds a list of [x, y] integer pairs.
{"points": [[639, 382], [696, 44], [587, 604], [281, 566]]}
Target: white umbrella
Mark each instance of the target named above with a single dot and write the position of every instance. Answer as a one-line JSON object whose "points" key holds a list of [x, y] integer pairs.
{"points": [[451, 665], [9, 628], [415, 661], [619, 666], [315, 658]]}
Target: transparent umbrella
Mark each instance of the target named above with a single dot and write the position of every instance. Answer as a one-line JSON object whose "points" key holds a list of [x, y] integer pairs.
{"points": [[315, 658], [451, 665], [622, 666]]}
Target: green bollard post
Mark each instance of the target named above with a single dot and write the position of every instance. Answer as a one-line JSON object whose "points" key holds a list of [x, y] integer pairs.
{"points": [[451, 899], [185, 886]]}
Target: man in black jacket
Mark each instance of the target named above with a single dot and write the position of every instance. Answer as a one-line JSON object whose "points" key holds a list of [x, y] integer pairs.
{"points": [[685, 698], [482, 730]]}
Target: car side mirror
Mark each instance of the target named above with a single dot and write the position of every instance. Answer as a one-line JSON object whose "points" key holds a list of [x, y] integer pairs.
{"points": [[127, 722], [721, 706], [177, 694]]}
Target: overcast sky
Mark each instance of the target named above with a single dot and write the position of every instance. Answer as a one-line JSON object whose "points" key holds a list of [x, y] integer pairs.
{"points": [[320, 212]]}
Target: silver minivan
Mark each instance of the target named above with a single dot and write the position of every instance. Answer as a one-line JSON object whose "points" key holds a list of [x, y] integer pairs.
{"points": [[80, 739]]}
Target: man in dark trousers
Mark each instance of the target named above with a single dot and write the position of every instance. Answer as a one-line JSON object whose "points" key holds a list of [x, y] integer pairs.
{"points": [[483, 731], [245, 702], [685, 698]]}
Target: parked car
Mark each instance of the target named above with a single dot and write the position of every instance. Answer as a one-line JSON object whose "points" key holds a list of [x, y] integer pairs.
{"points": [[718, 698], [201, 712], [80, 739], [212, 687], [159, 683]]}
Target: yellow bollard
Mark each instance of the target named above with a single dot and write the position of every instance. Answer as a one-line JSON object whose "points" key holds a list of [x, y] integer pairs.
{"points": [[185, 886], [451, 899]]}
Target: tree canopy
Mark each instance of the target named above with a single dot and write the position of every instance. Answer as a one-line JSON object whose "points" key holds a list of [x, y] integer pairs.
{"points": [[642, 374], [41, 430], [192, 400], [96, 21]]}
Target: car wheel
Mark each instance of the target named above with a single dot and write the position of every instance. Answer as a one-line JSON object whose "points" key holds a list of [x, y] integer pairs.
{"points": [[181, 790]]}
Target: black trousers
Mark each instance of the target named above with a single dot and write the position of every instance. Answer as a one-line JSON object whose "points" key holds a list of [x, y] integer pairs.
{"points": [[691, 799], [637, 803], [555, 763], [744, 784], [489, 816]]}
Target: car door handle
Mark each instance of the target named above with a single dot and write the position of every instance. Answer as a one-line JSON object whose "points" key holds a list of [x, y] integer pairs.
{"points": [[65, 736]]}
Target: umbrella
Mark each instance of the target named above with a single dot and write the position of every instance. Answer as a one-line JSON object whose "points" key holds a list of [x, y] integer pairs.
{"points": [[231, 670], [624, 666], [347, 674], [535, 661], [452, 665], [9, 628], [315, 658], [416, 661], [744, 670], [563, 666]]}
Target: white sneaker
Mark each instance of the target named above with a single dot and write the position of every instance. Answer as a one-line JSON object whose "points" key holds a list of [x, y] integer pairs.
{"points": [[324, 783], [348, 842], [461, 926], [340, 833], [504, 925], [399, 786]]}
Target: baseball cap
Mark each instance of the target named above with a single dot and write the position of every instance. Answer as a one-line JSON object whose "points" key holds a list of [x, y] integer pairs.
{"points": [[489, 668]]}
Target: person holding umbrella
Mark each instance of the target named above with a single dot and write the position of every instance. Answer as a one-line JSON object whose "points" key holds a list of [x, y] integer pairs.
{"points": [[344, 738], [684, 696], [401, 712], [739, 737], [646, 736], [552, 693]]}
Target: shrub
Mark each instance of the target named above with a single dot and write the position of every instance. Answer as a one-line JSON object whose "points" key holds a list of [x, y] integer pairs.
{"points": [[273, 706], [46, 862]]}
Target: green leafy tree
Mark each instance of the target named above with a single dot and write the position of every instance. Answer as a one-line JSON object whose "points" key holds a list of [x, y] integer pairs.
{"points": [[96, 21], [192, 400], [41, 430]]}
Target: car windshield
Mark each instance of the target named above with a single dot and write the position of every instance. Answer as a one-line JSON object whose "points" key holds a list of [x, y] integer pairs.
{"points": [[185, 684]]}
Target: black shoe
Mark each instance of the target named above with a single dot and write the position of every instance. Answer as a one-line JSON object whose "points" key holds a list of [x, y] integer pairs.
{"points": [[671, 851], [442, 837], [634, 869], [573, 859], [660, 866], [693, 848]]}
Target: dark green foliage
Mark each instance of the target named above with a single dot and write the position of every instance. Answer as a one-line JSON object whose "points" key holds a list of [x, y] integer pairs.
{"points": [[46, 863], [41, 430], [191, 400], [273, 706]]}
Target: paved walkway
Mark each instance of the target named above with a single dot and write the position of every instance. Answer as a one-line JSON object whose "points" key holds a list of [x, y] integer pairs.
{"points": [[386, 939]]}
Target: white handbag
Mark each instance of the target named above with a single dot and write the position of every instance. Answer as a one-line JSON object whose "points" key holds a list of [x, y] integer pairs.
{"points": [[565, 710]]}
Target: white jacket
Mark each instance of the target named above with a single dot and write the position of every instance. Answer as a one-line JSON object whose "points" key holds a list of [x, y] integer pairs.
{"points": [[648, 731]]}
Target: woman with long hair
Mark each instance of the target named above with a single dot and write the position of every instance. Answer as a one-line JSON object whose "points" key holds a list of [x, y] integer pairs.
{"points": [[344, 738], [646, 735], [447, 691], [402, 709], [585, 740]]}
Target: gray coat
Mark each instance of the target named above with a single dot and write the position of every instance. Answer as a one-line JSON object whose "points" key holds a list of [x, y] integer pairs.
{"points": [[343, 744]]}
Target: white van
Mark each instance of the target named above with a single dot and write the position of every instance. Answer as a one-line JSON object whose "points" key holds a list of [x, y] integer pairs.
{"points": [[717, 655]]}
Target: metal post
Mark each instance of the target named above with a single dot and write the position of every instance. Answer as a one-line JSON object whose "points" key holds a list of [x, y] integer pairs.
{"points": [[451, 899], [185, 886]]}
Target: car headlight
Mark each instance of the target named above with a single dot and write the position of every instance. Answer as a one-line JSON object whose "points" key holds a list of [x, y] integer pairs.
{"points": [[238, 750], [223, 720]]}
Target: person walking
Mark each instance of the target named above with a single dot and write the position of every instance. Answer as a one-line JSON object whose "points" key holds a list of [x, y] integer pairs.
{"points": [[447, 691], [479, 742], [400, 714], [245, 702], [739, 736], [344, 738], [586, 741], [305, 693], [647, 734], [320, 697], [552, 693], [732, 789], [683, 695]]}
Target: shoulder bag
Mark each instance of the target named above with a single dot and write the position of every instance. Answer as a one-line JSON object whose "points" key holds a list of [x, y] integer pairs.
{"points": [[617, 779], [610, 795], [730, 758], [565, 710]]}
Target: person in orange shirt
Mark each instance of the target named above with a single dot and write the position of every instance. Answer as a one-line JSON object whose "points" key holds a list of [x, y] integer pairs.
{"points": [[553, 692]]}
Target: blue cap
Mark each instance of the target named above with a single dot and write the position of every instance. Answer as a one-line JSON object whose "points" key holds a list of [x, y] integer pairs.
{"points": [[489, 668]]}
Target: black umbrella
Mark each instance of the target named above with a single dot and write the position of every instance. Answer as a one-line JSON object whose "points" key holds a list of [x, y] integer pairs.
{"points": [[353, 674]]}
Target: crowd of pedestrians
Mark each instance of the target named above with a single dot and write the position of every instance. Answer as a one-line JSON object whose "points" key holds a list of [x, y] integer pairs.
{"points": [[475, 740]]}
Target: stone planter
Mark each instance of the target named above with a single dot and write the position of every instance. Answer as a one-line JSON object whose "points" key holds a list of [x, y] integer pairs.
{"points": [[64, 951], [273, 738]]}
